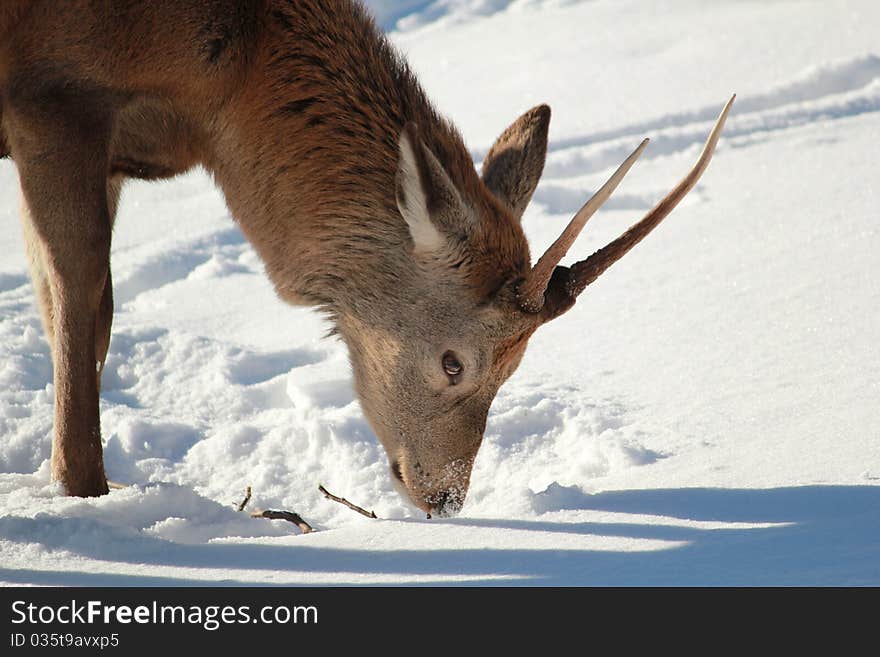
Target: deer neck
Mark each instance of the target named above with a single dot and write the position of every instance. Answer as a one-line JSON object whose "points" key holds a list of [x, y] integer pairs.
{"points": [[307, 153]]}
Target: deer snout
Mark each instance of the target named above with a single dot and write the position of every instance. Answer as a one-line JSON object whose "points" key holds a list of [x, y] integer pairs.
{"points": [[443, 501], [446, 503]]}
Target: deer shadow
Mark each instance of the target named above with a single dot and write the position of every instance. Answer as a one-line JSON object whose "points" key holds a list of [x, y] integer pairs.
{"points": [[812, 535]]}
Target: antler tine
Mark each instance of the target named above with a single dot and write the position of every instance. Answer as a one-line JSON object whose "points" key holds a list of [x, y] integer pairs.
{"points": [[530, 293], [585, 272]]}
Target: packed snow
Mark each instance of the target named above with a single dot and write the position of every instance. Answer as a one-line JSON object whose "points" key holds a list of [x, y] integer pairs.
{"points": [[706, 414]]}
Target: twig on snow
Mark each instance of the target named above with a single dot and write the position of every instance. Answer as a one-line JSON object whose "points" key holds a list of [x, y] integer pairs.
{"points": [[276, 514], [289, 516], [247, 498], [344, 502]]}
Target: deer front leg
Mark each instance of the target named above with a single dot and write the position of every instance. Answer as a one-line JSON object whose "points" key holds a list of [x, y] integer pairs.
{"points": [[40, 280], [62, 166]]}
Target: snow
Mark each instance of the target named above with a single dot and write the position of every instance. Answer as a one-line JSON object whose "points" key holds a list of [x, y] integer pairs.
{"points": [[706, 414]]}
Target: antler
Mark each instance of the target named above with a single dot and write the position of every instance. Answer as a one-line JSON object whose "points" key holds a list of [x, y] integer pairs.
{"points": [[530, 293], [547, 281]]}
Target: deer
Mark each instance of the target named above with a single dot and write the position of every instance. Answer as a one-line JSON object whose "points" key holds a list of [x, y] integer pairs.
{"points": [[359, 197]]}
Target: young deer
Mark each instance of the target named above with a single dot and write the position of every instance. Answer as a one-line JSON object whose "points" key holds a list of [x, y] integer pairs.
{"points": [[358, 196]]}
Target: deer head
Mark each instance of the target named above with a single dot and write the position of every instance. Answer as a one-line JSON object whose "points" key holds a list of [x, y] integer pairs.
{"points": [[471, 301]]}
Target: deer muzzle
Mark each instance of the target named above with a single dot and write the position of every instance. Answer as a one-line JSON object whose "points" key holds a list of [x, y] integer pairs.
{"points": [[442, 494]]}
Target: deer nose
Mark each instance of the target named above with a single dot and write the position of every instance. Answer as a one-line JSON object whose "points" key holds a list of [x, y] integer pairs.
{"points": [[442, 503], [446, 503]]}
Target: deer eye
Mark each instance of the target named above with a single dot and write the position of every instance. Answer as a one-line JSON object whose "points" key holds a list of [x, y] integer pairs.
{"points": [[453, 367]]}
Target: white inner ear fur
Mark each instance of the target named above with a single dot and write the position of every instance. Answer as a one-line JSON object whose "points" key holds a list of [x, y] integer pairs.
{"points": [[413, 201]]}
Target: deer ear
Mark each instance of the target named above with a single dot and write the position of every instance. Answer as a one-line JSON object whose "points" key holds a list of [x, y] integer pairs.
{"points": [[515, 162], [426, 196]]}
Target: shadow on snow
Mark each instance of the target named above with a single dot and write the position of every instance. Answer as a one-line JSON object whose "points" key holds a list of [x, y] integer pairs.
{"points": [[822, 535]]}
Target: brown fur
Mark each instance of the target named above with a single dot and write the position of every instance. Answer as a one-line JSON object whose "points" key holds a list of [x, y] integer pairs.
{"points": [[297, 108]]}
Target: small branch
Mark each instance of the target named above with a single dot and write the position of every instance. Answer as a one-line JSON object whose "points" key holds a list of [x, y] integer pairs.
{"points": [[275, 514], [247, 498], [344, 502], [289, 516]]}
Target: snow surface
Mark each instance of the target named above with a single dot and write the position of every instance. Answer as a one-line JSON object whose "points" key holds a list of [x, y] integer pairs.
{"points": [[706, 414]]}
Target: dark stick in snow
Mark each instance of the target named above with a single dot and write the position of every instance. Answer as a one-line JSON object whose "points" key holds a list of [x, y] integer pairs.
{"points": [[289, 516], [344, 502], [247, 498], [276, 514]]}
